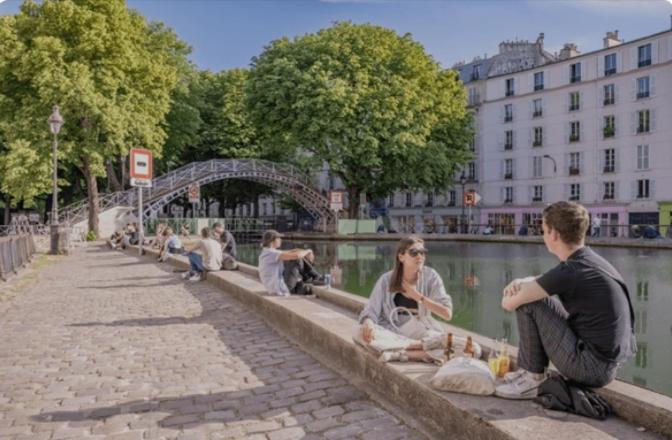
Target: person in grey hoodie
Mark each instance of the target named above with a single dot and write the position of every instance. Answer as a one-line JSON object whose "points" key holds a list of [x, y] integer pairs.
{"points": [[414, 286]]}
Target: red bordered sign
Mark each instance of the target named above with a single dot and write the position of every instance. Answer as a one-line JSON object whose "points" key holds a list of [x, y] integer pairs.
{"points": [[141, 167]]}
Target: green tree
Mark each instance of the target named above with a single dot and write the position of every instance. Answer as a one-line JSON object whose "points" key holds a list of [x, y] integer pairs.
{"points": [[111, 72], [372, 104]]}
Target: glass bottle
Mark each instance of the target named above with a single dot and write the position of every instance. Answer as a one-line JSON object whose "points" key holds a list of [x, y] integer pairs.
{"points": [[449, 347], [469, 348], [504, 361]]}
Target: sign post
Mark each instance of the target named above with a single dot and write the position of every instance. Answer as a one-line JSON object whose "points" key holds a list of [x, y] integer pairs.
{"points": [[335, 204], [194, 192], [471, 198], [141, 176]]}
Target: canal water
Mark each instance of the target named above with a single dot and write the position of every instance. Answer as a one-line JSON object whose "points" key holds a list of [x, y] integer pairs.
{"points": [[475, 273]]}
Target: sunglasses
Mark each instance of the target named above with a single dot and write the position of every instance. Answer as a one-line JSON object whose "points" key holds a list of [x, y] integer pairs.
{"points": [[414, 252]]}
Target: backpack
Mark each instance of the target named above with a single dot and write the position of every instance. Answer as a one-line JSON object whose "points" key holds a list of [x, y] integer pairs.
{"points": [[558, 394]]}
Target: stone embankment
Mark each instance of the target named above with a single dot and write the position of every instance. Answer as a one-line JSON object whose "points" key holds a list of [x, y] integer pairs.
{"points": [[324, 326]]}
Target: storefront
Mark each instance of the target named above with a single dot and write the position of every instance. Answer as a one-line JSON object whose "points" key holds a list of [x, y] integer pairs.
{"points": [[665, 210]]}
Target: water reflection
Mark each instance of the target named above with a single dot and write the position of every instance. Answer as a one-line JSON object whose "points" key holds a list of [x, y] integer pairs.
{"points": [[475, 273]]}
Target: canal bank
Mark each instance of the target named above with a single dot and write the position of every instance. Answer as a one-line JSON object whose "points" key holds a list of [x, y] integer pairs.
{"points": [[324, 326]]}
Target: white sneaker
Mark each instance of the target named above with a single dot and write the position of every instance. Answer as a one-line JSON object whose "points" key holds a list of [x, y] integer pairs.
{"points": [[521, 385], [393, 356], [195, 277], [186, 275]]}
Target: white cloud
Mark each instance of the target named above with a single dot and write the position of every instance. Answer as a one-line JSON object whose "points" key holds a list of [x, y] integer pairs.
{"points": [[610, 7]]}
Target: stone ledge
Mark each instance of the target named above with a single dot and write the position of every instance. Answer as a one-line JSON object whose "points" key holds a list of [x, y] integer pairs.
{"points": [[324, 325]]}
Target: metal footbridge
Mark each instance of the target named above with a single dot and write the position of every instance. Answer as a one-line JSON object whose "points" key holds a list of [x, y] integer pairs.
{"points": [[284, 177]]}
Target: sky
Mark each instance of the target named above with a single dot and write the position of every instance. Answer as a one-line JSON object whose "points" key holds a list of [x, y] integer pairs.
{"points": [[226, 34]]}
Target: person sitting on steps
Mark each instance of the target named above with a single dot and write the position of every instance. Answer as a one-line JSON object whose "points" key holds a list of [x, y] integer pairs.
{"points": [[286, 272], [577, 315], [210, 260]]}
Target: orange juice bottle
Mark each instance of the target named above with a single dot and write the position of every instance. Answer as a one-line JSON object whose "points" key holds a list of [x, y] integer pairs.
{"points": [[504, 361]]}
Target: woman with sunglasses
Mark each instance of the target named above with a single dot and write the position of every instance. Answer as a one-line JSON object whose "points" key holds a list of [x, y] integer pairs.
{"points": [[414, 286]]}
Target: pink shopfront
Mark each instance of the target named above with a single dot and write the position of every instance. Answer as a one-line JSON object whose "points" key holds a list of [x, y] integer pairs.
{"points": [[613, 219]]}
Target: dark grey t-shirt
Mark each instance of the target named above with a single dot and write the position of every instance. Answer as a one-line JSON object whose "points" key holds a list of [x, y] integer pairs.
{"points": [[599, 308]]}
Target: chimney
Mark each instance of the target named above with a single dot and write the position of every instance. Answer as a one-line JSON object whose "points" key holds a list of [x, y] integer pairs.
{"points": [[611, 40], [568, 51]]}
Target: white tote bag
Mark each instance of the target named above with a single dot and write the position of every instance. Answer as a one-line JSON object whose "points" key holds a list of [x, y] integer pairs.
{"points": [[415, 327]]}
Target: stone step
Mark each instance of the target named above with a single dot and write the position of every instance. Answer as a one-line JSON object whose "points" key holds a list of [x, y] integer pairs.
{"points": [[324, 326]]}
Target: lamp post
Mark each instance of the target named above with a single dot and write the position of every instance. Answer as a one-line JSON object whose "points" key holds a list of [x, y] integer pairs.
{"points": [[55, 123], [555, 168], [463, 182]]}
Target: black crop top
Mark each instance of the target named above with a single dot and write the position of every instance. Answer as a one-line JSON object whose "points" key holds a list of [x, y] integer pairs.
{"points": [[402, 301]]}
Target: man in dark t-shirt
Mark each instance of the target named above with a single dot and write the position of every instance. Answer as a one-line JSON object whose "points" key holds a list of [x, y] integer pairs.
{"points": [[577, 315]]}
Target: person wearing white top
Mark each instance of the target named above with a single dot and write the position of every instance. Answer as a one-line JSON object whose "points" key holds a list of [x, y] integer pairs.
{"points": [[210, 258], [271, 264]]}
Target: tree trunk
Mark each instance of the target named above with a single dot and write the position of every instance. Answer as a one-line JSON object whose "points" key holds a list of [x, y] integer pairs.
{"points": [[112, 176], [8, 201], [353, 202], [92, 195], [124, 172]]}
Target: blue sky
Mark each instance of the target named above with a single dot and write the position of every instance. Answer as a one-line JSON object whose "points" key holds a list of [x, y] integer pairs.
{"points": [[228, 33]]}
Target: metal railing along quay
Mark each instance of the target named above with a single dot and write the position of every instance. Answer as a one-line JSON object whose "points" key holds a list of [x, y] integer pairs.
{"points": [[15, 252]]}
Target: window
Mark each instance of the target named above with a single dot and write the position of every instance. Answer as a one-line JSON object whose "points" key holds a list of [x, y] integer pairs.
{"points": [[644, 119], [609, 129], [390, 203], [642, 355], [643, 189], [508, 168], [409, 200], [642, 290], [509, 87], [575, 191], [608, 191], [643, 87], [574, 101], [574, 131], [471, 171], [536, 108], [474, 97], [644, 55], [609, 160], [574, 164], [476, 72], [508, 194], [536, 166], [538, 137], [609, 94], [508, 113], [538, 193], [430, 199], [642, 157], [539, 81], [451, 198], [575, 73], [508, 145], [610, 64]]}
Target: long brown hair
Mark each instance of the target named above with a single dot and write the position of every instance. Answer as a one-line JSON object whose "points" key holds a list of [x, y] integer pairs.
{"points": [[398, 271]]}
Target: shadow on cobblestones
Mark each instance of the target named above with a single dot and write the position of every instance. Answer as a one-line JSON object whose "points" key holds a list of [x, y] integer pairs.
{"points": [[252, 383]]}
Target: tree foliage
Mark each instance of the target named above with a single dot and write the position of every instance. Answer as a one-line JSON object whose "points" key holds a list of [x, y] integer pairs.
{"points": [[372, 104], [110, 71]]}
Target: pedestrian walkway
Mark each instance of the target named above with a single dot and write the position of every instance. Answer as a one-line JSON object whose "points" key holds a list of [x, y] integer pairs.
{"points": [[104, 345]]}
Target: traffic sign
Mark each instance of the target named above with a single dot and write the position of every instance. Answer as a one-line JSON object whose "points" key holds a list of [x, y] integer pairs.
{"points": [[471, 198], [336, 200], [141, 167], [194, 192]]}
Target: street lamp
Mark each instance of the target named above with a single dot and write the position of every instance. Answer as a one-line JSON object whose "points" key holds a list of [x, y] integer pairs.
{"points": [[463, 182], [555, 168], [55, 123]]}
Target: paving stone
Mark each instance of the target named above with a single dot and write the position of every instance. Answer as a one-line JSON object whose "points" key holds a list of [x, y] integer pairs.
{"points": [[287, 434]]}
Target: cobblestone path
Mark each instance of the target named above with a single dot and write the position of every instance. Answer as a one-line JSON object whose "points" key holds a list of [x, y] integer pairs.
{"points": [[106, 346]]}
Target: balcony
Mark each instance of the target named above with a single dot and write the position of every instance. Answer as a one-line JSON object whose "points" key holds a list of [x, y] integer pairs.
{"points": [[508, 201], [575, 79], [608, 132], [508, 176], [574, 107], [537, 199], [508, 118], [538, 87], [474, 77], [642, 129], [642, 95], [609, 101], [537, 114], [608, 197], [509, 93], [574, 171], [574, 198], [471, 178], [537, 143], [644, 63], [610, 71], [574, 138], [508, 146], [609, 169]]}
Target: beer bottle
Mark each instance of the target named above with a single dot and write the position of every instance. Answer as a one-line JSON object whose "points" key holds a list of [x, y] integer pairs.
{"points": [[449, 347], [469, 348]]}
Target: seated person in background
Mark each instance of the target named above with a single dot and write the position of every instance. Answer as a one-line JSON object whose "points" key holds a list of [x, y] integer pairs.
{"points": [[228, 243], [116, 238], [159, 238], [171, 244], [587, 331], [523, 229], [489, 230], [283, 279], [184, 231], [210, 258], [412, 285]]}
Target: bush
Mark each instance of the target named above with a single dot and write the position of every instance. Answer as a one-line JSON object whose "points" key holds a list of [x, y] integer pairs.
{"points": [[91, 236]]}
